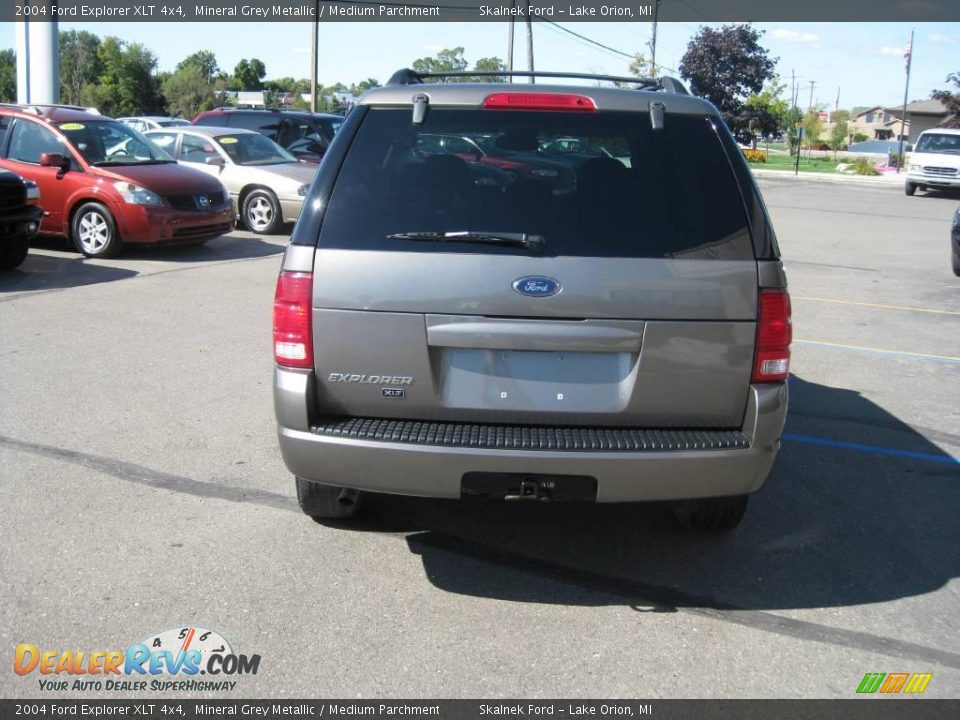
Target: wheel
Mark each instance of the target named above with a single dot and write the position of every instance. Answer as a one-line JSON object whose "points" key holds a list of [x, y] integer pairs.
{"points": [[14, 253], [93, 231], [261, 212], [909, 188], [711, 514], [956, 263], [321, 501]]}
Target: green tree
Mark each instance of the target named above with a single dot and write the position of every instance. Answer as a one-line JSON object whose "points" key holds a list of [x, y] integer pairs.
{"points": [[8, 76], [490, 64], [641, 66], [447, 60], [188, 92], [205, 61], [361, 87], [726, 66], [950, 100], [812, 127], [128, 84], [839, 131], [80, 65], [766, 112], [249, 74]]}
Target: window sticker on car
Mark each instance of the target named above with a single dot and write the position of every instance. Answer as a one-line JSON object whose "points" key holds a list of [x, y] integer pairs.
{"points": [[228, 140], [72, 126]]}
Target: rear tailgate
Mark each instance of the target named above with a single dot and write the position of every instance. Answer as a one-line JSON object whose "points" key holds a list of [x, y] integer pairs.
{"points": [[640, 312]]}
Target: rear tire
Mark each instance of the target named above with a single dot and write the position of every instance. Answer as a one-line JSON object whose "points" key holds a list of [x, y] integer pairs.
{"points": [[323, 502], [14, 253], [711, 514], [909, 188], [956, 264], [94, 232]]}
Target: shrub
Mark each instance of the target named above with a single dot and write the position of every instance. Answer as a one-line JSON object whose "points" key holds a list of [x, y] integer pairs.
{"points": [[863, 166], [860, 137], [755, 156]]}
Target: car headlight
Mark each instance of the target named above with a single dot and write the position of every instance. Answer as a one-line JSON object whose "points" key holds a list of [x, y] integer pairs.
{"points": [[915, 167], [136, 195], [33, 193], [302, 190]]}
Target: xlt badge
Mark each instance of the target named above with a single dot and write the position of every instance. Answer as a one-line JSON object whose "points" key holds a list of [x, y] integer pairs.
{"points": [[393, 392]]}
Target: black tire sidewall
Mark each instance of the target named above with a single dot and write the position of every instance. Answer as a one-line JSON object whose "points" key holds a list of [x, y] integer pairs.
{"points": [[274, 226], [113, 244], [14, 253]]}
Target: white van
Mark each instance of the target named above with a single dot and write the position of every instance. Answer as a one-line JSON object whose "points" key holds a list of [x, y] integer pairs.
{"points": [[935, 162]]}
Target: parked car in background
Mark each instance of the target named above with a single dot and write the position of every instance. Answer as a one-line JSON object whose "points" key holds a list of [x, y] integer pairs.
{"points": [[616, 333], [20, 215], [307, 135], [104, 184], [955, 242], [935, 162], [267, 182], [153, 122]]}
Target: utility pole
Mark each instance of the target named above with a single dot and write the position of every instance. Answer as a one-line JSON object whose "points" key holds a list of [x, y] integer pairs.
{"points": [[530, 42], [513, 4], [653, 40], [908, 59], [812, 85], [314, 32]]}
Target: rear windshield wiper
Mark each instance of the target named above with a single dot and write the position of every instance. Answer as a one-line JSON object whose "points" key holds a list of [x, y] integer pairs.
{"points": [[535, 243]]}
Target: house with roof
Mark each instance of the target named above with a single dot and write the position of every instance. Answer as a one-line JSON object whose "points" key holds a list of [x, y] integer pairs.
{"points": [[924, 115]]}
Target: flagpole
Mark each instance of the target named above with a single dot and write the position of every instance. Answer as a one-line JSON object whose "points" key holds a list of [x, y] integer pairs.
{"points": [[906, 91]]}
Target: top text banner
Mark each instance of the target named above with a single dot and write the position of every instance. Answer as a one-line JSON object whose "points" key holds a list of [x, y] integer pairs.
{"points": [[698, 11]]}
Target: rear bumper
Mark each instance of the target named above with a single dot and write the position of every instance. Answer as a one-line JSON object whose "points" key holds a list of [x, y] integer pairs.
{"points": [[437, 471]]}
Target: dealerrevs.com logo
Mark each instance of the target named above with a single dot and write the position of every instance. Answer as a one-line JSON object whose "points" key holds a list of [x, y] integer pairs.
{"points": [[168, 661]]}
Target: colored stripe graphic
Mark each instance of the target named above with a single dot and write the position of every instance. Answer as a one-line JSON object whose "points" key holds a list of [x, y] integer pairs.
{"points": [[918, 682], [870, 682], [872, 449], [894, 682]]}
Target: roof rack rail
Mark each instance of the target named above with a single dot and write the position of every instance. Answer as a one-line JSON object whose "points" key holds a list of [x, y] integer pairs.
{"points": [[406, 76], [37, 107]]}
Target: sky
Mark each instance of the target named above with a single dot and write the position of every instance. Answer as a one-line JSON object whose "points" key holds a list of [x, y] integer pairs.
{"points": [[863, 60]]}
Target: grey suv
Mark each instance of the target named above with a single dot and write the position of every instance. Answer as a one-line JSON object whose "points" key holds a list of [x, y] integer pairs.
{"points": [[446, 324]]}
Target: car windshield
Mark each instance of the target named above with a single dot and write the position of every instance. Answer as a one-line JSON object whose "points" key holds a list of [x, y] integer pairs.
{"points": [[108, 142], [939, 143], [172, 123], [254, 149]]}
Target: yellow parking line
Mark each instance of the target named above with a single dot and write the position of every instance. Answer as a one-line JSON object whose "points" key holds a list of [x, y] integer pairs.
{"points": [[861, 348], [877, 305]]}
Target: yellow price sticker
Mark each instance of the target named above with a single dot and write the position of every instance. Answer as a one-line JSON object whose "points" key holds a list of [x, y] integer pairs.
{"points": [[227, 140], [72, 126]]}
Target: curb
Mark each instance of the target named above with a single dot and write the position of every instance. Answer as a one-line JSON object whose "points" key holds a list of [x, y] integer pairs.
{"points": [[885, 181]]}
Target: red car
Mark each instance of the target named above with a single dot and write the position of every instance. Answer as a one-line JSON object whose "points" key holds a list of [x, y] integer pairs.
{"points": [[103, 184]]}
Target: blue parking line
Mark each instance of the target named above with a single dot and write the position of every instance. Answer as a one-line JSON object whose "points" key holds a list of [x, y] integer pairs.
{"points": [[872, 449]]}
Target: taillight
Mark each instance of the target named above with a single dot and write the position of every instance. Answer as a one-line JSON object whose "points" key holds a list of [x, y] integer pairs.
{"points": [[771, 363], [538, 101], [292, 334]]}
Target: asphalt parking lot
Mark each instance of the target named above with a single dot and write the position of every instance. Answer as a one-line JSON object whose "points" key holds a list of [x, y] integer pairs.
{"points": [[142, 489]]}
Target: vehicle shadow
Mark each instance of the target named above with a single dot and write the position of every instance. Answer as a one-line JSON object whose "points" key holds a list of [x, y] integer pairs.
{"points": [[53, 272], [835, 526], [225, 247], [50, 272]]}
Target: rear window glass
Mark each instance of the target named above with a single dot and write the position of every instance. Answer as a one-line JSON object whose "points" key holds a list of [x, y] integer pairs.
{"points": [[592, 184]]}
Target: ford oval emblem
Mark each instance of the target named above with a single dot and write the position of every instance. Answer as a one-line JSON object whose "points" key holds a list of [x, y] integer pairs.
{"points": [[536, 286]]}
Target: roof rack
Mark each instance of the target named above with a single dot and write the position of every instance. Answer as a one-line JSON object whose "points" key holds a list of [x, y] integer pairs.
{"points": [[37, 108], [406, 76]]}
